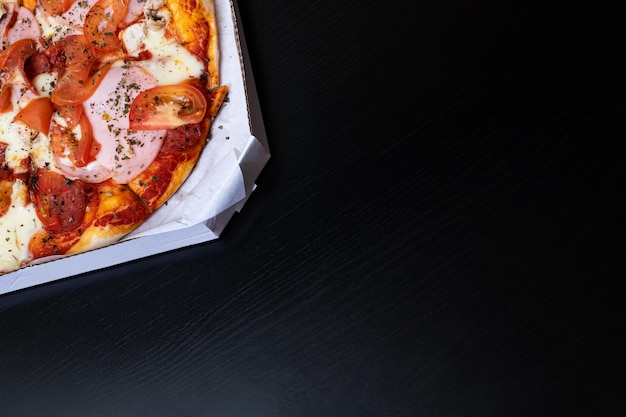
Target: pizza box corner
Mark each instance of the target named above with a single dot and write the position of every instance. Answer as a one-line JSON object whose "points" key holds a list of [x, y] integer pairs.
{"points": [[219, 186]]}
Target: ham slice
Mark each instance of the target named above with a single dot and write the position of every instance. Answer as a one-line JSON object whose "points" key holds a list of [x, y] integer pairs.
{"points": [[123, 153], [18, 24]]}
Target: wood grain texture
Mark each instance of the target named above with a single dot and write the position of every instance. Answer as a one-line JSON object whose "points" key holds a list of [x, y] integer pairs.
{"points": [[435, 236]]}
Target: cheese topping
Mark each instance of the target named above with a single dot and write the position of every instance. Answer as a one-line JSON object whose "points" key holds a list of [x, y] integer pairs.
{"points": [[170, 63], [17, 226]]}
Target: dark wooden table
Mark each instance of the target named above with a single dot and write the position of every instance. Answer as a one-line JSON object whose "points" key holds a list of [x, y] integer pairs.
{"points": [[438, 233]]}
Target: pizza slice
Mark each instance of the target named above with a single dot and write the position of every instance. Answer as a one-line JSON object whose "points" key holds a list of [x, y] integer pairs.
{"points": [[105, 109]]}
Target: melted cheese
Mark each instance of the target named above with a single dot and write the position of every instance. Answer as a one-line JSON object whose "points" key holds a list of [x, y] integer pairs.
{"points": [[170, 63], [17, 227], [44, 83]]}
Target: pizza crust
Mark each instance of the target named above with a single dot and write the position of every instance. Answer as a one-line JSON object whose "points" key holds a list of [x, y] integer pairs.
{"points": [[119, 213]]}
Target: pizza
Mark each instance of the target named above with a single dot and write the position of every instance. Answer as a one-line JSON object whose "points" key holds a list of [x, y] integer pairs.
{"points": [[105, 109]]}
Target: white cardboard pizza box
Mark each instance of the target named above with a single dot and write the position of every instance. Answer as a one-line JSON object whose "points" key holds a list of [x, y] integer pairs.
{"points": [[219, 186]]}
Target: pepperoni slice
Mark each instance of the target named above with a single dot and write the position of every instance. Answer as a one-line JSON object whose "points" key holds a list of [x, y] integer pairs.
{"points": [[183, 138], [60, 203]]}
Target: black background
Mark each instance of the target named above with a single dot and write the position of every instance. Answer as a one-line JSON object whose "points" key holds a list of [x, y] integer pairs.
{"points": [[437, 233]]}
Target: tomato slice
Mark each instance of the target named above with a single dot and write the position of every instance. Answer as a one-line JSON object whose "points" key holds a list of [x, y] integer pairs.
{"points": [[78, 82], [56, 7], [81, 150], [37, 114], [101, 24], [71, 113], [14, 57], [88, 147], [5, 97], [60, 203], [167, 107], [76, 49]]}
